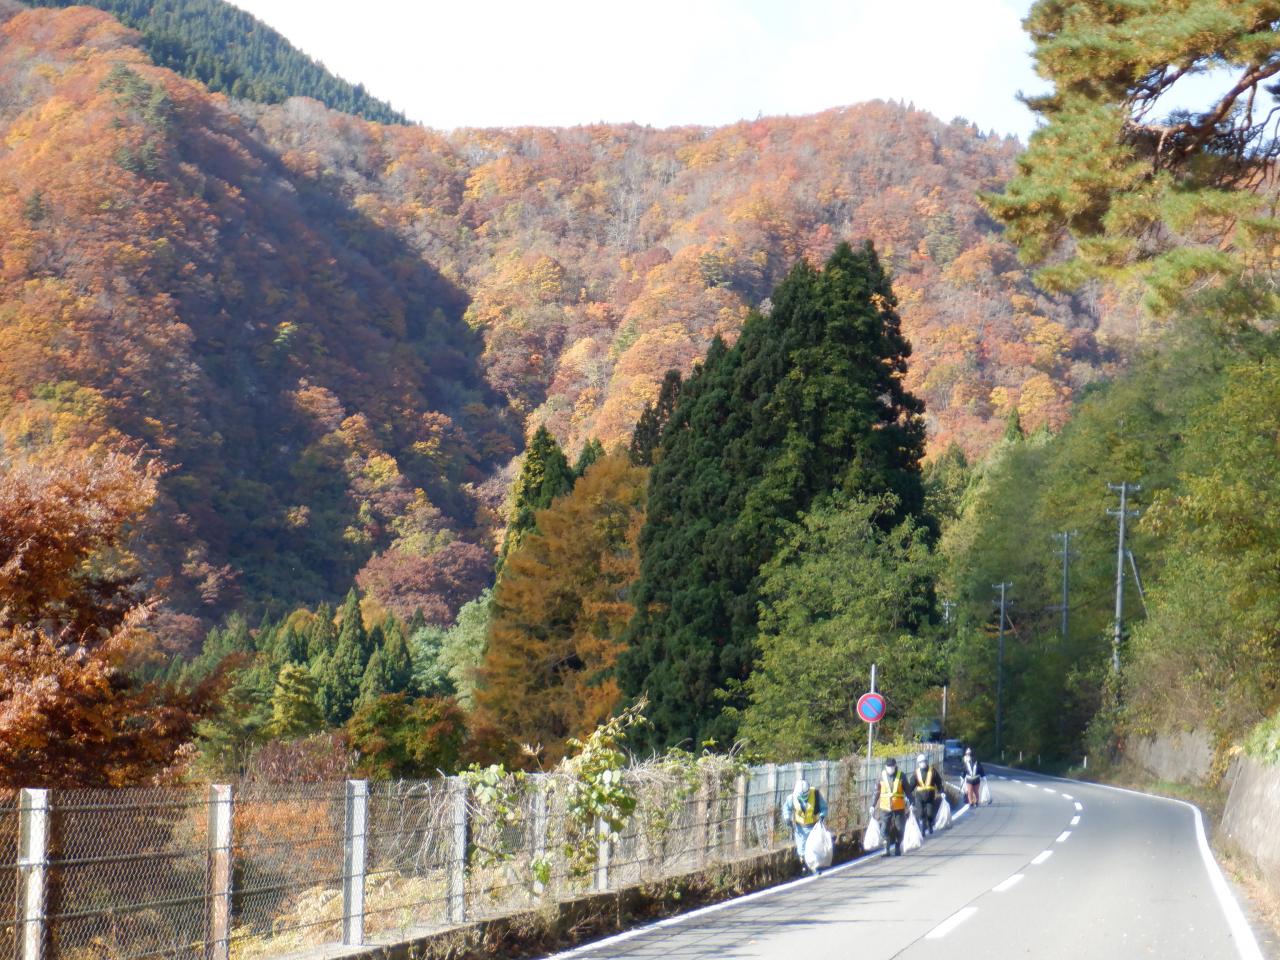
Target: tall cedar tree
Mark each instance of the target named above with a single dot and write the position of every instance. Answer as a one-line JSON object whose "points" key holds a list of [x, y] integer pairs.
{"points": [[647, 435], [810, 399], [544, 475], [559, 612]]}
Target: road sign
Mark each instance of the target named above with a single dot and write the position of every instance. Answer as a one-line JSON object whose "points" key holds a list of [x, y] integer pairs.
{"points": [[871, 707]]}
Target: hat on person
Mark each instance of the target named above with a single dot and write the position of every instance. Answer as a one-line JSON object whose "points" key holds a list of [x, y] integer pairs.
{"points": [[921, 761], [968, 751], [802, 786]]}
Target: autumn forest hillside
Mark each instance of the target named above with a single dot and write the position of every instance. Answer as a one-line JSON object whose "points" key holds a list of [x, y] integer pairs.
{"points": [[337, 335]]}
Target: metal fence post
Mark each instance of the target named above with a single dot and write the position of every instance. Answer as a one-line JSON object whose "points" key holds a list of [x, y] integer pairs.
{"points": [[602, 855], [354, 860], [540, 828], [740, 813], [220, 810], [457, 902], [33, 864]]}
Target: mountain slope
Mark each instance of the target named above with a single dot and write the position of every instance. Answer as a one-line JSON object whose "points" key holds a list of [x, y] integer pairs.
{"points": [[598, 257], [335, 331], [233, 52], [165, 281]]}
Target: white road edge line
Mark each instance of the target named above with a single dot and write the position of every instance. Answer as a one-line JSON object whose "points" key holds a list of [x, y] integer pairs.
{"points": [[1241, 932], [1004, 885], [1062, 837], [722, 905], [1075, 820], [949, 924], [1041, 857]]}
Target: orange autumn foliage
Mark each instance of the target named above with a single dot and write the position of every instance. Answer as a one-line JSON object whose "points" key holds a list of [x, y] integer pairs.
{"points": [[72, 625], [559, 610]]}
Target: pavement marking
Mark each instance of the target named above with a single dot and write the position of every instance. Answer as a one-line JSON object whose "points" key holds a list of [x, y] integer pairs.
{"points": [[1243, 935], [1079, 806], [1062, 837], [1067, 796], [1031, 785], [1004, 885], [1048, 790], [949, 924], [1075, 820], [722, 905], [1015, 779], [1041, 857]]}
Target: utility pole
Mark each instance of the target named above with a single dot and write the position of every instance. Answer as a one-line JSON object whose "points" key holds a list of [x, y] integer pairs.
{"points": [[1064, 551], [1124, 514], [1002, 587]]}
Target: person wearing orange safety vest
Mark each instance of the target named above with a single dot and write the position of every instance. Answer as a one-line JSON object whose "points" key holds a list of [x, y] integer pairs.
{"points": [[926, 792], [804, 809], [889, 806]]}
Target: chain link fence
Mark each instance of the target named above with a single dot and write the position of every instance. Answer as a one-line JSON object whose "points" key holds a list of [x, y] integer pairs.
{"points": [[239, 873]]}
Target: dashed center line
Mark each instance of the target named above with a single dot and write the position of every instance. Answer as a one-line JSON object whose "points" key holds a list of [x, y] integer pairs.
{"points": [[1008, 884], [1047, 790], [1067, 796], [949, 924], [1075, 820], [1041, 858], [1079, 806], [1063, 836]]}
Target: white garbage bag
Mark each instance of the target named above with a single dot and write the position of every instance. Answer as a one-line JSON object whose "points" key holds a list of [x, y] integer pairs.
{"points": [[819, 848], [942, 819], [872, 839], [984, 793], [911, 836]]}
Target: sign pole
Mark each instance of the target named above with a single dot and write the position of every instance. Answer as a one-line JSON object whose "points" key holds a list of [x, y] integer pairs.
{"points": [[871, 727]]}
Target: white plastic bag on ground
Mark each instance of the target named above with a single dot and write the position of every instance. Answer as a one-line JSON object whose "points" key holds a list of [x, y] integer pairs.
{"points": [[984, 793], [819, 848], [942, 819], [871, 840], [911, 836]]}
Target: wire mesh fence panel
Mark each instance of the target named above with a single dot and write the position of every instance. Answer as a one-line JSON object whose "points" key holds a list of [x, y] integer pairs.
{"points": [[410, 851], [127, 873], [287, 867], [9, 824], [507, 851]]}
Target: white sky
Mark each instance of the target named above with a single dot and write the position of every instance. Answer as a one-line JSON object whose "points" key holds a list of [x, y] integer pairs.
{"points": [[456, 63]]}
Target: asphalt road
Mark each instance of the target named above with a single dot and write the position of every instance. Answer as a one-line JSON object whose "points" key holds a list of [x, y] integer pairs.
{"points": [[1051, 869]]}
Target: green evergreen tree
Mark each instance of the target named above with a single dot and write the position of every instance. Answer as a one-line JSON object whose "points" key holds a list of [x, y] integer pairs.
{"points": [[397, 659], [374, 683], [544, 475], [647, 436], [1013, 431], [809, 400], [322, 637], [294, 712], [340, 675], [430, 672], [592, 451]]}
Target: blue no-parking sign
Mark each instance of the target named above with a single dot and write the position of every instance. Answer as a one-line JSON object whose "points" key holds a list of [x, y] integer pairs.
{"points": [[871, 707]]}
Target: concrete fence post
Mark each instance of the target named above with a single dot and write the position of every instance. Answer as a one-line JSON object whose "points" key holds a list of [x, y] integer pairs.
{"points": [[221, 808], [33, 866], [456, 907], [602, 855], [740, 813], [540, 828], [355, 859], [771, 787]]}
